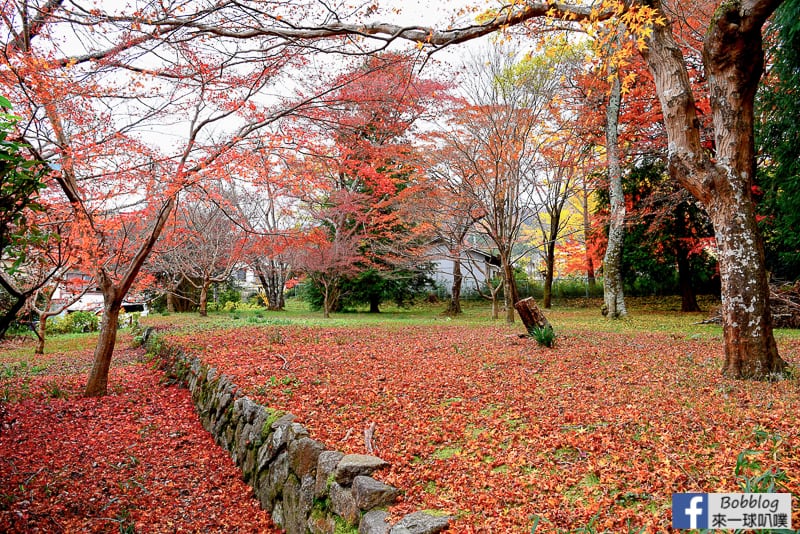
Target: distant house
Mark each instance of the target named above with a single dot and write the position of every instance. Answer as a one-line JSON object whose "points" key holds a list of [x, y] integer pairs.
{"points": [[92, 300], [476, 267], [246, 281]]}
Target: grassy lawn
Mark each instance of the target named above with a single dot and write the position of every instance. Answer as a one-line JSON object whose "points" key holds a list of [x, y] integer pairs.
{"points": [[597, 432]]}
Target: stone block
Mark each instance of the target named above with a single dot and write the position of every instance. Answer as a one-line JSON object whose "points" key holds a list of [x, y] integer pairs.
{"points": [[343, 504], [303, 456], [370, 493], [321, 523], [353, 465], [326, 465], [294, 518], [374, 522], [420, 523]]}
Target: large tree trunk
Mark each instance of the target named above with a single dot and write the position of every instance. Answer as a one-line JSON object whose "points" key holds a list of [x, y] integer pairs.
{"points": [[11, 314], [273, 279], [454, 306], [612, 262], [733, 60], [750, 349]]}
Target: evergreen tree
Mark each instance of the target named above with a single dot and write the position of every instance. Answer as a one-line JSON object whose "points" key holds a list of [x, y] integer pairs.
{"points": [[777, 134]]}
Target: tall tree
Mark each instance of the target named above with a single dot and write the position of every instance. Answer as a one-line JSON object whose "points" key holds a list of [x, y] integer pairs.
{"points": [[559, 181], [269, 211], [733, 63], [206, 247], [547, 76], [777, 131], [329, 255], [363, 148], [22, 180], [733, 58], [614, 305], [452, 212], [131, 113], [494, 147]]}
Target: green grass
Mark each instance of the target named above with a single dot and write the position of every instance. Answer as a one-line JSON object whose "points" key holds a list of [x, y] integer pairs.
{"points": [[645, 314], [446, 453]]}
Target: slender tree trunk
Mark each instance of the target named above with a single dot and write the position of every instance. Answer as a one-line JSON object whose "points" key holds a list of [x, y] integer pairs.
{"points": [[591, 279], [511, 294], [547, 297], [733, 60], [688, 296], [97, 385], [612, 262], [113, 295], [454, 306], [203, 308], [42, 333], [587, 234], [326, 304], [277, 302], [550, 260]]}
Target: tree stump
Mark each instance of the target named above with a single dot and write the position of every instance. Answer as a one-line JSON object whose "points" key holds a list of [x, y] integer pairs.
{"points": [[531, 315]]}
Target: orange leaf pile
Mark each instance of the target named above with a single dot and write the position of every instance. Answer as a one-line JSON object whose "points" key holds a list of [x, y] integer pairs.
{"points": [[496, 430], [135, 460]]}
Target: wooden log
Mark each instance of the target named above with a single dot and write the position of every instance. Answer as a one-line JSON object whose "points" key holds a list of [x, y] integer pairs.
{"points": [[531, 315]]}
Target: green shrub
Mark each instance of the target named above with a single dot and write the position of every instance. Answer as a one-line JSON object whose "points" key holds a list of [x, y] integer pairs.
{"points": [[74, 323], [228, 299]]}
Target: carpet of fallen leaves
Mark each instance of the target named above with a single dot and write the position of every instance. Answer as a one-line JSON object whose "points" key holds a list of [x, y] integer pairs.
{"points": [[496, 430], [137, 460]]}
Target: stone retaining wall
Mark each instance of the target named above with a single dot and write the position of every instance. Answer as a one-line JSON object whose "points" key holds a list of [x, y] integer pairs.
{"points": [[304, 486]]}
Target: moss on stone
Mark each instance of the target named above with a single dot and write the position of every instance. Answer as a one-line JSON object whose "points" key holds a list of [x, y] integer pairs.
{"points": [[343, 527], [436, 513], [272, 416], [321, 507]]}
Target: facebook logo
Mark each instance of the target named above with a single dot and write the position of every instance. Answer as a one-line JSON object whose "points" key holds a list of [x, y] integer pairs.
{"points": [[690, 510], [732, 511]]}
